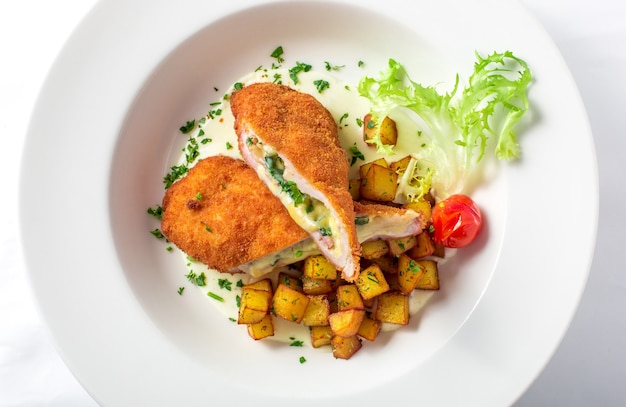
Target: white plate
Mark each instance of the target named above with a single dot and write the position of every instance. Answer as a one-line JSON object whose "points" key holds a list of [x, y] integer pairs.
{"points": [[106, 123]]}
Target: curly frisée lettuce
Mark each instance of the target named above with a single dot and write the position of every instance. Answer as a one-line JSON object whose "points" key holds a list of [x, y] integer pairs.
{"points": [[458, 124]]}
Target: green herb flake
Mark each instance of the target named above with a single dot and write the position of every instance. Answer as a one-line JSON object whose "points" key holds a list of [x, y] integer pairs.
{"points": [[361, 220], [238, 86], [326, 231], [321, 85], [176, 172], [199, 196], [180, 290], [188, 126], [224, 284], [197, 279], [300, 67], [157, 212], [278, 54], [229, 146], [329, 67], [356, 154], [295, 342], [215, 296], [157, 233], [302, 359]]}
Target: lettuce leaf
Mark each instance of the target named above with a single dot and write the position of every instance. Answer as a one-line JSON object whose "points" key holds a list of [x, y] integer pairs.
{"points": [[459, 123]]}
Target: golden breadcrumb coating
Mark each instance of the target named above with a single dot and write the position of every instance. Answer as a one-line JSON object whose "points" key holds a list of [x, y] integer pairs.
{"points": [[304, 134], [223, 215]]}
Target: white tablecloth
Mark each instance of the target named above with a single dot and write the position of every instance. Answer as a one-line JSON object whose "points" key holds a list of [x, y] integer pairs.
{"points": [[589, 366]]}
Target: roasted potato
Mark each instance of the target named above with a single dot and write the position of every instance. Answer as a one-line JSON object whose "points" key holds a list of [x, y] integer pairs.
{"points": [[320, 336], [289, 304], [371, 282], [399, 246], [388, 130], [346, 323], [424, 246], [348, 297], [254, 305], [261, 329], [374, 249], [318, 267], [364, 168], [317, 312], [392, 307], [317, 286], [379, 184], [369, 328], [409, 273], [345, 348], [430, 280]]}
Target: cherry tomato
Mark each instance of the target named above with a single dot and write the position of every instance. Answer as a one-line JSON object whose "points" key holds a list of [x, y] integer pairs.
{"points": [[456, 220]]}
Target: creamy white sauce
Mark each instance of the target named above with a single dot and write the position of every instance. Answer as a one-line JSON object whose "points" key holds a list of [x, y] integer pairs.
{"points": [[346, 106]]}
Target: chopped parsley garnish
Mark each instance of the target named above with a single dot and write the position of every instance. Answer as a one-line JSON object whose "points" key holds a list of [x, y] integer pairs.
{"points": [[157, 233], [361, 220], [180, 290], [360, 64], [302, 359], [278, 54], [238, 86], [356, 154], [157, 212], [229, 146], [188, 126], [330, 67], [300, 67], [215, 296], [343, 117], [224, 284], [199, 196], [199, 280], [191, 150], [326, 232], [295, 342], [321, 85], [177, 171]]}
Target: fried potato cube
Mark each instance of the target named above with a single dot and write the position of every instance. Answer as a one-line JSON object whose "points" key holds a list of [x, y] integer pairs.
{"points": [[346, 323], [392, 307], [317, 286], [374, 249], [388, 130], [371, 282], [290, 281], [388, 264], [364, 168], [369, 329], [261, 329], [424, 246], [319, 267], [317, 312], [409, 273], [401, 165], [430, 280], [348, 297], [379, 184], [320, 336], [353, 186], [254, 305], [423, 208], [345, 348], [440, 250], [289, 304], [263, 285], [399, 246]]}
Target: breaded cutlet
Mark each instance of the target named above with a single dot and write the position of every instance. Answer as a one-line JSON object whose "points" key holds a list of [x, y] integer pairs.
{"points": [[222, 215]]}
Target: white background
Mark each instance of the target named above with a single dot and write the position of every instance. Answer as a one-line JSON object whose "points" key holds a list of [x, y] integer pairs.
{"points": [[587, 369]]}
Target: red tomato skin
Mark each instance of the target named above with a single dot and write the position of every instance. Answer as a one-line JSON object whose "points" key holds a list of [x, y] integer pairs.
{"points": [[457, 220]]}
